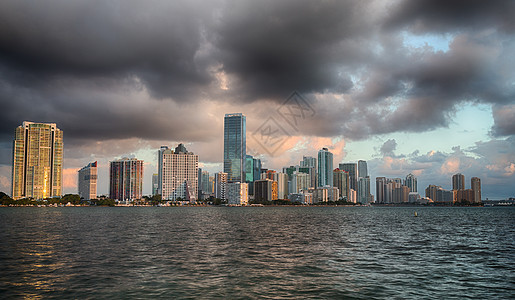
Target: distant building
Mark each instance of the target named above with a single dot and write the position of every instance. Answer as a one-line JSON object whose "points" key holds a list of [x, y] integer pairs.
{"points": [[353, 196], [87, 181], [325, 194], [265, 190], [304, 197], [458, 182], [221, 185], [37, 170], [341, 181], [311, 164], [237, 193], [411, 183], [475, 185], [235, 145], [381, 189], [282, 185], [438, 194], [362, 169], [401, 194], [155, 184], [126, 179], [414, 197], [364, 196], [299, 182], [205, 185], [325, 167], [351, 168], [464, 196], [178, 174]]}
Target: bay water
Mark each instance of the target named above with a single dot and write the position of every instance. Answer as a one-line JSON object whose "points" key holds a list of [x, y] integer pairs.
{"points": [[257, 252]]}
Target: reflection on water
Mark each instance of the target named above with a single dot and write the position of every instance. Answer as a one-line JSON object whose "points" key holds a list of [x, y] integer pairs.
{"points": [[268, 252]]}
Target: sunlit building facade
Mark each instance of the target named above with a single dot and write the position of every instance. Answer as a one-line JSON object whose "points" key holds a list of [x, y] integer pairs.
{"points": [[37, 170], [178, 174], [325, 168], [87, 181], [126, 179]]}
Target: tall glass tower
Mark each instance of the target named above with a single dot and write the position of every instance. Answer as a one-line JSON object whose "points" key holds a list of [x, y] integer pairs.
{"points": [[235, 147], [325, 168], [37, 161]]}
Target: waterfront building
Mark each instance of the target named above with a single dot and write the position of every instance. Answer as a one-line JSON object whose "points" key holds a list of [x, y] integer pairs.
{"points": [[304, 197], [282, 185], [414, 197], [353, 196], [380, 189], [438, 194], [257, 173], [37, 169], [204, 186], [362, 169], [249, 168], [221, 185], [464, 196], [310, 163], [235, 147], [351, 168], [299, 182], [475, 185], [458, 182], [325, 167], [325, 194], [411, 183], [265, 190], [126, 179], [155, 184], [178, 174], [87, 181], [237, 193], [364, 196], [401, 194], [341, 181]]}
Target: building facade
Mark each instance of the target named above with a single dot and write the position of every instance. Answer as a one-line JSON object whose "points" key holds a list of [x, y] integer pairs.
{"points": [[87, 181], [178, 174], [475, 185], [411, 183], [235, 144], [325, 167], [126, 179], [341, 181], [351, 168], [221, 185], [237, 193], [458, 182], [37, 170], [265, 190]]}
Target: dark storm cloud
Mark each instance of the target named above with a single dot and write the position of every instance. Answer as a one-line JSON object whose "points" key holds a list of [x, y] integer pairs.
{"points": [[156, 41], [444, 15]]}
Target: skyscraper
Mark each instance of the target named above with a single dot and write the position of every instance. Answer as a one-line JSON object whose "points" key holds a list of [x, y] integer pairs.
{"points": [[458, 182], [325, 167], [155, 184], [341, 181], [411, 183], [351, 168], [381, 189], [475, 185], [178, 174], [221, 185], [37, 161], [362, 168], [235, 147], [87, 181], [364, 190], [126, 179]]}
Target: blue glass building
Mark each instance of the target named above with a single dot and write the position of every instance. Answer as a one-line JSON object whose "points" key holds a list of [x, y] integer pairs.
{"points": [[235, 145]]}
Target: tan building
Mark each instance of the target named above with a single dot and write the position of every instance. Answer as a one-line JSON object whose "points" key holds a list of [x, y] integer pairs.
{"points": [[87, 181], [265, 190], [37, 161], [475, 184], [178, 174], [238, 193]]}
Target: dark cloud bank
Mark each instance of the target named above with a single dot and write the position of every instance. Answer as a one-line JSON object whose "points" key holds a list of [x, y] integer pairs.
{"points": [[122, 69]]}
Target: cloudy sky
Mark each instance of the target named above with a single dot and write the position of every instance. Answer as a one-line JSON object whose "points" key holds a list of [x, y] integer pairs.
{"points": [[426, 87]]}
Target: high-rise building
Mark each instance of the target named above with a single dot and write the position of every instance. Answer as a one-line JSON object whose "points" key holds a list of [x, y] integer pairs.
{"points": [[401, 194], [351, 168], [299, 182], [475, 185], [37, 170], [364, 190], [380, 189], [155, 184], [235, 147], [362, 168], [265, 190], [249, 168], [204, 188], [411, 183], [237, 193], [178, 174], [221, 185], [87, 181], [438, 194], [282, 185], [341, 181], [458, 182], [310, 163], [325, 167], [126, 179], [257, 172]]}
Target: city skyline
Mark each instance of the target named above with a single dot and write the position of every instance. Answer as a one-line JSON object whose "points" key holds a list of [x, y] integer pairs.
{"points": [[412, 87]]}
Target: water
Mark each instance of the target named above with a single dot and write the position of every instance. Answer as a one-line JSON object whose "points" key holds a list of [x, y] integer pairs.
{"points": [[266, 252]]}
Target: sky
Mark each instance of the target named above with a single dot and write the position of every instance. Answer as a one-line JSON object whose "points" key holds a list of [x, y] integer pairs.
{"points": [[424, 87]]}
